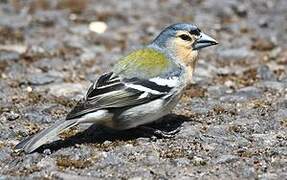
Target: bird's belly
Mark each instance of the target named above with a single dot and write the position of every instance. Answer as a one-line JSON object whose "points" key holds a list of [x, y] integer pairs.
{"points": [[145, 113]]}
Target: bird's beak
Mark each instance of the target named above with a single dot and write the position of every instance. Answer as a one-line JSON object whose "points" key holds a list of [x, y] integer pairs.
{"points": [[204, 41]]}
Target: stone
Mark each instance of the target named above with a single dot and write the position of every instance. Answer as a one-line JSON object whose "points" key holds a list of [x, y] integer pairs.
{"points": [[217, 91], [9, 56], [69, 90], [240, 10], [40, 79], [226, 159], [11, 116], [265, 73], [272, 85], [242, 95], [235, 54]]}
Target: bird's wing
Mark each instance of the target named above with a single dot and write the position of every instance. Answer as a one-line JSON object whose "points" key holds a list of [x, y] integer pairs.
{"points": [[111, 91]]}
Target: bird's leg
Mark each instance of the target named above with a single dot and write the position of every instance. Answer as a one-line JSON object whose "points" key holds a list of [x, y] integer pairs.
{"points": [[158, 133]]}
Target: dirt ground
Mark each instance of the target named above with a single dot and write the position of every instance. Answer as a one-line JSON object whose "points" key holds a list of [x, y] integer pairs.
{"points": [[233, 117]]}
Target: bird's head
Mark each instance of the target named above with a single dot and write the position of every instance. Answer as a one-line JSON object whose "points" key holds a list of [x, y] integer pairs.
{"points": [[183, 41]]}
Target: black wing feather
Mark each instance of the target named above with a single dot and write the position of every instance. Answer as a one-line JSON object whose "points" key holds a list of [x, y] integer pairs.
{"points": [[111, 92]]}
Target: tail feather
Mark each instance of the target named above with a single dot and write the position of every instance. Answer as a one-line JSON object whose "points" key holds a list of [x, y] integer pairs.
{"points": [[23, 142], [32, 143]]}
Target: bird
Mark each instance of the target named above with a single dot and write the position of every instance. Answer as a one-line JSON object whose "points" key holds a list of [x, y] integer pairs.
{"points": [[142, 87]]}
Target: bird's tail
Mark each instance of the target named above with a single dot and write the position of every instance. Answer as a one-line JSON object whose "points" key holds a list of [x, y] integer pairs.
{"points": [[32, 143]]}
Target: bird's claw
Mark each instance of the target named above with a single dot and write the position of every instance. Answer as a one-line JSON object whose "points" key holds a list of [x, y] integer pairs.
{"points": [[159, 133]]}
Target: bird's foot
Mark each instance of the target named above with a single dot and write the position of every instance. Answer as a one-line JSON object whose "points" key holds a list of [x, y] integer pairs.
{"points": [[158, 133]]}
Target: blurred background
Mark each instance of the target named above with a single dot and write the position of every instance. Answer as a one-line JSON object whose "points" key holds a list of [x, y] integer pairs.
{"points": [[236, 109], [87, 33]]}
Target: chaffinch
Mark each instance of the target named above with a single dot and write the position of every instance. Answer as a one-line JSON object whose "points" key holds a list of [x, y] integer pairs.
{"points": [[143, 86]]}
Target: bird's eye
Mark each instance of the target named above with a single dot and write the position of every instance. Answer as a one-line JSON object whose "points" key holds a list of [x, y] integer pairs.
{"points": [[185, 37]]}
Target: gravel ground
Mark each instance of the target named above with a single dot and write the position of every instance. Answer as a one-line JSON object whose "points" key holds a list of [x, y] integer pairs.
{"points": [[233, 117]]}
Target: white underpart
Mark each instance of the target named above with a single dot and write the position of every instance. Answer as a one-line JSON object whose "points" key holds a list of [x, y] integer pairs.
{"points": [[96, 116], [142, 88], [171, 82]]}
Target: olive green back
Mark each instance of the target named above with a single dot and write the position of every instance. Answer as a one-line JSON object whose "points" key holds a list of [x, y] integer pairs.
{"points": [[144, 63]]}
